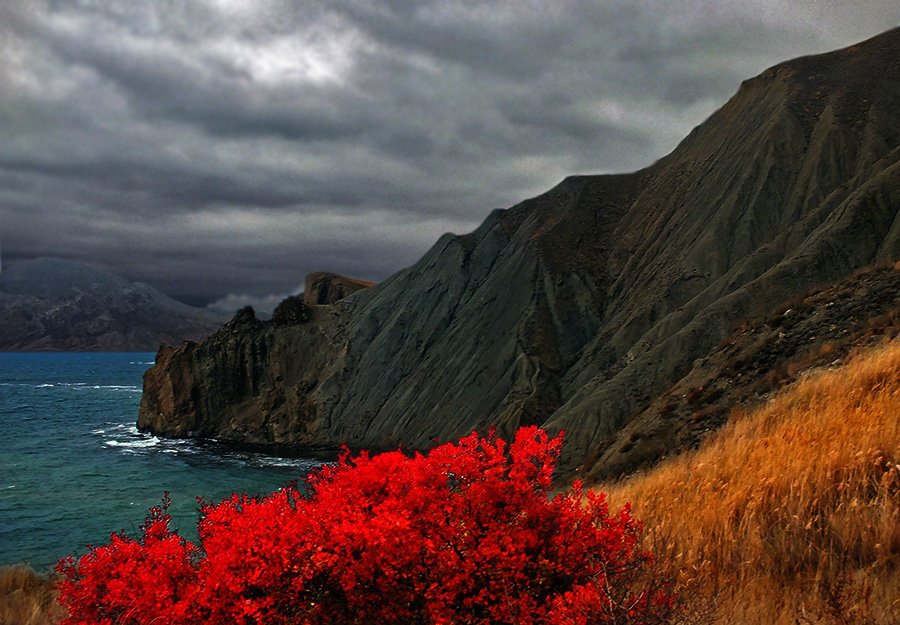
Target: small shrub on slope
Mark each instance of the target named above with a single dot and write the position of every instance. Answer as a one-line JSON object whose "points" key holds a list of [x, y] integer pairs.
{"points": [[466, 534]]}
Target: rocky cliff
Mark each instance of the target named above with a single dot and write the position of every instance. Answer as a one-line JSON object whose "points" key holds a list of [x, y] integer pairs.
{"points": [[61, 305], [579, 308], [324, 288]]}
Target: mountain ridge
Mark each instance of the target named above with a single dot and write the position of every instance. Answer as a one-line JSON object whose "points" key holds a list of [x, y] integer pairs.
{"points": [[576, 308], [62, 305]]}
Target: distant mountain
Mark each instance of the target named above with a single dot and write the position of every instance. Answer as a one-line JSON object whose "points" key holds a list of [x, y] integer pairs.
{"points": [[50, 304], [578, 309]]}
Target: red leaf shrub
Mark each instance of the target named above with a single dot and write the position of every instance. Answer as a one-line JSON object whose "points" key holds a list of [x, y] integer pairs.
{"points": [[463, 535], [131, 581]]}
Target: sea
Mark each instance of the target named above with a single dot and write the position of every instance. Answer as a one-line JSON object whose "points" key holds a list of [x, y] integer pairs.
{"points": [[74, 468]]}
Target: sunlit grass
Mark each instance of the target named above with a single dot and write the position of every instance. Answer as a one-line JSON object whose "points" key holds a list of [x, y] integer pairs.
{"points": [[792, 511], [27, 598]]}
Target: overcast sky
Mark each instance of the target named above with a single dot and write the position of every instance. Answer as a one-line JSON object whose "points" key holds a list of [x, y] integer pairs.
{"points": [[222, 149]]}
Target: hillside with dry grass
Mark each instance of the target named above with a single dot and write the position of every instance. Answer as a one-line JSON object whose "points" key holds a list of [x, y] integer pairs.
{"points": [[791, 512], [27, 598]]}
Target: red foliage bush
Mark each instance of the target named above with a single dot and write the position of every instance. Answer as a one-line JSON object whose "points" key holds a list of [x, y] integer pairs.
{"points": [[466, 534]]}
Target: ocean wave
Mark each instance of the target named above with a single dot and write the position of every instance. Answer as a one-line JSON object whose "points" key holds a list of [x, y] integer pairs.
{"points": [[55, 384], [128, 388], [111, 387], [288, 462], [126, 438], [262, 461], [128, 428], [139, 444]]}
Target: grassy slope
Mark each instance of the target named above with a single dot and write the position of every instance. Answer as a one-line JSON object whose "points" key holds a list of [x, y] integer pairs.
{"points": [[27, 598], [792, 511]]}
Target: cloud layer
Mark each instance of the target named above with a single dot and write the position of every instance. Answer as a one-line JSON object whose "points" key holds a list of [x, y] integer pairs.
{"points": [[224, 148]]}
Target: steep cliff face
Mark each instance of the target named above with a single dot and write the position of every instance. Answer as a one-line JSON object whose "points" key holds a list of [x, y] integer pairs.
{"points": [[248, 382], [575, 309]]}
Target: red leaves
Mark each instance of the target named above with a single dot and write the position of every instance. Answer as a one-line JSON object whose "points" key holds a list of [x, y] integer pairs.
{"points": [[130, 581], [465, 535]]}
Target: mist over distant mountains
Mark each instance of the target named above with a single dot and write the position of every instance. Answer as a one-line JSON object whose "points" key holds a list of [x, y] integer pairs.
{"points": [[50, 304], [581, 308]]}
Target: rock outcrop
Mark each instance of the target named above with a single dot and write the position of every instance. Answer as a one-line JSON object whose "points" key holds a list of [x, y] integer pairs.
{"points": [[50, 304], [577, 309], [323, 288]]}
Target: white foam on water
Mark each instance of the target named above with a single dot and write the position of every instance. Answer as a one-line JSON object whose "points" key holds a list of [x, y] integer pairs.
{"points": [[128, 388], [29, 384], [126, 437], [111, 387], [286, 462], [127, 428], [139, 444]]}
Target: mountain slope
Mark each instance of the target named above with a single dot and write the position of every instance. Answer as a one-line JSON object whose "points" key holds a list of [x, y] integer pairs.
{"points": [[791, 510], [55, 304], [576, 308], [817, 329]]}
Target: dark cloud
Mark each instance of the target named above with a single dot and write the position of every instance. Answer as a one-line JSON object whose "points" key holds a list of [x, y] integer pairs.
{"points": [[221, 149]]}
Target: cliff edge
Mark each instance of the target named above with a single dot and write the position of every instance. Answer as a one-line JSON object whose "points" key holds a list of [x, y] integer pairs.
{"points": [[579, 308]]}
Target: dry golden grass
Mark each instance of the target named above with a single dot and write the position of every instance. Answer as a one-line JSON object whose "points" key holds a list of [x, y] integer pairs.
{"points": [[27, 598], [791, 512]]}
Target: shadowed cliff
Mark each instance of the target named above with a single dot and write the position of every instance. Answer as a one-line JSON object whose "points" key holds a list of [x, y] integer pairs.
{"points": [[576, 309]]}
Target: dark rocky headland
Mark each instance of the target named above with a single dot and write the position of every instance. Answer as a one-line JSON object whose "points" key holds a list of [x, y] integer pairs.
{"points": [[591, 308]]}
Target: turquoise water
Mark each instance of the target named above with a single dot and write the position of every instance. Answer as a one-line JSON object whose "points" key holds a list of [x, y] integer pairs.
{"points": [[74, 468]]}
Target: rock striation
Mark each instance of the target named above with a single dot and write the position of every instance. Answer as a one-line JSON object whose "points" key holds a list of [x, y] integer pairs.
{"points": [[816, 329], [579, 308], [50, 304]]}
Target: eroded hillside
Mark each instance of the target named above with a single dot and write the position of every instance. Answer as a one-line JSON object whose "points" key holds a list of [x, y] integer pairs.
{"points": [[577, 309]]}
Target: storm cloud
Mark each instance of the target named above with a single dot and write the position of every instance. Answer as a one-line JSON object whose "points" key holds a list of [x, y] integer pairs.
{"points": [[222, 149]]}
